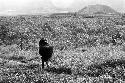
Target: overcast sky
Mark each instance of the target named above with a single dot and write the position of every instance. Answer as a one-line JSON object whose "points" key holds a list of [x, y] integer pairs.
{"points": [[66, 5]]}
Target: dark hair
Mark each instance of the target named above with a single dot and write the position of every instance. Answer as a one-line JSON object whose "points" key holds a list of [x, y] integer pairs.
{"points": [[43, 42]]}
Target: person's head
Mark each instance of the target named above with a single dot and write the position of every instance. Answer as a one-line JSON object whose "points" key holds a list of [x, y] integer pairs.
{"points": [[43, 42], [43, 39]]}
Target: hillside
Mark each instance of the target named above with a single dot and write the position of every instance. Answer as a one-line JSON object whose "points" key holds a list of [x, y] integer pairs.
{"points": [[97, 9], [62, 33], [83, 50]]}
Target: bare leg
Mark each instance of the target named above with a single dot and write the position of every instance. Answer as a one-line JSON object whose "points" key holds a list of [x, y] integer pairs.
{"points": [[42, 64], [47, 64]]}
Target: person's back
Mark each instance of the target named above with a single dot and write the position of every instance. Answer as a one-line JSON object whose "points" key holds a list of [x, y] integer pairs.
{"points": [[46, 52]]}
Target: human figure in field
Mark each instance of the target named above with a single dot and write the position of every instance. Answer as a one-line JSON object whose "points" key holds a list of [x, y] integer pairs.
{"points": [[115, 38], [45, 51]]}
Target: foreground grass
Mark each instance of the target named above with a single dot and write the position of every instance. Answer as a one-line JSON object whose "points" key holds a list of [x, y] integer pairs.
{"points": [[71, 66]]}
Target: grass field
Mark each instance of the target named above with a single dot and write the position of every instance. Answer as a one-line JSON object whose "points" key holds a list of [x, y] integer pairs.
{"points": [[68, 66], [82, 49]]}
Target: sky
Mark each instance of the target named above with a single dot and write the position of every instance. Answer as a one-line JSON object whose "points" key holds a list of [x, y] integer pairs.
{"points": [[48, 6]]}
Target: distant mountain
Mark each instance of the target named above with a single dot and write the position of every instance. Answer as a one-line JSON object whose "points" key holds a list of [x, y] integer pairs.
{"points": [[97, 9]]}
